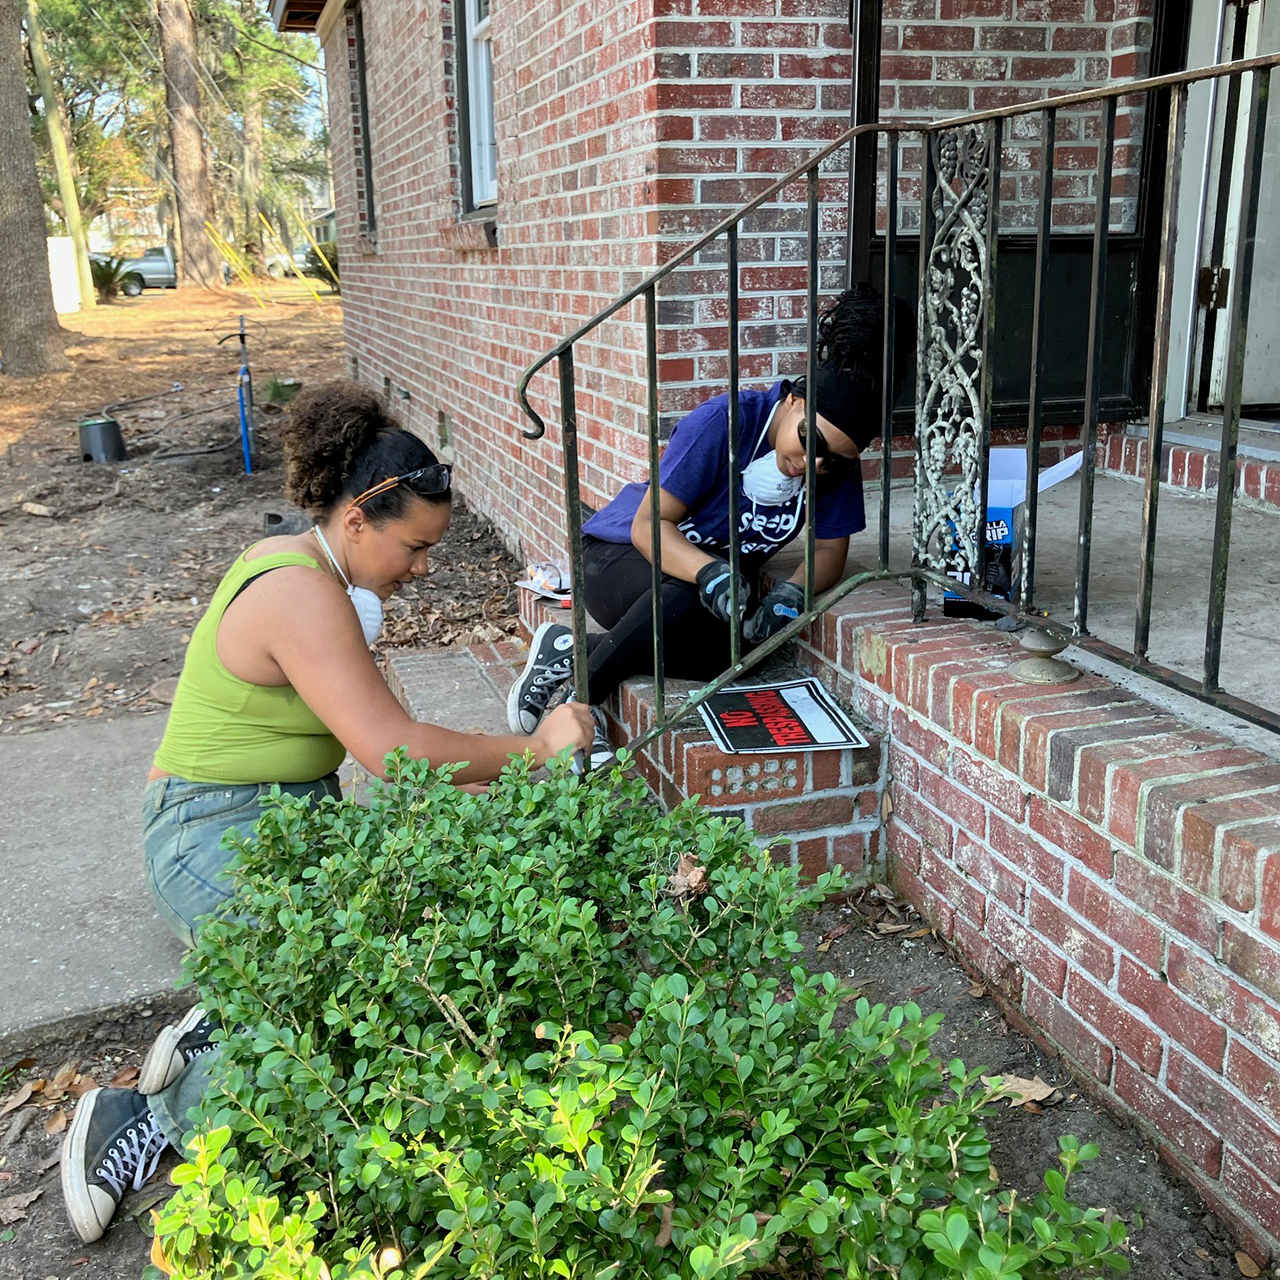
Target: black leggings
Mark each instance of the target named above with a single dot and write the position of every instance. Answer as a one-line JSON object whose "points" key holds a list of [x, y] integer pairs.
{"points": [[619, 596]]}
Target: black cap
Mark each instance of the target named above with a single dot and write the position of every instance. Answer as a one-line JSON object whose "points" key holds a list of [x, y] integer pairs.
{"points": [[849, 406]]}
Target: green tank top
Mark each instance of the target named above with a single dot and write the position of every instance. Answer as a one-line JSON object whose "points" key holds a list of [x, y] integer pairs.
{"points": [[225, 730]]}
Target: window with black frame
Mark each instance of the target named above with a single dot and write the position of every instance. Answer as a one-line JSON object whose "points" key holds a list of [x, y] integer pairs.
{"points": [[477, 140], [366, 208]]}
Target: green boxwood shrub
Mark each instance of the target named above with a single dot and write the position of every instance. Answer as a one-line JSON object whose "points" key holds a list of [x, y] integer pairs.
{"points": [[324, 265], [552, 1031]]}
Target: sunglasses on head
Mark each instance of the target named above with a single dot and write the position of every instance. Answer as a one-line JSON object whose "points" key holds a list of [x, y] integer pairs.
{"points": [[833, 464], [426, 482]]}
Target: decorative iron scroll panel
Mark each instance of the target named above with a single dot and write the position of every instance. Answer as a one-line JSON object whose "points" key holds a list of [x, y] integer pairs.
{"points": [[953, 302]]}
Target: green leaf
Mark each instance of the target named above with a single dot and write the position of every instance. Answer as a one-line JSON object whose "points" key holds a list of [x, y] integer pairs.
{"points": [[702, 1260], [956, 1229]]}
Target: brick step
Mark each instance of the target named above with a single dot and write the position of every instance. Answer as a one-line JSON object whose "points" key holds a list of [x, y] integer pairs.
{"points": [[1191, 467], [827, 803]]}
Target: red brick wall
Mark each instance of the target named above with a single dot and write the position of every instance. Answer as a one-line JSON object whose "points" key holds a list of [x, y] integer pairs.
{"points": [[624, 127], [1113, 873], [944, 58], [454, 322], [749, 89], [1186, 466]]}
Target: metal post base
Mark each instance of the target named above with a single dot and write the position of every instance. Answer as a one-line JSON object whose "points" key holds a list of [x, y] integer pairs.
{"points": [[1043, 667]]}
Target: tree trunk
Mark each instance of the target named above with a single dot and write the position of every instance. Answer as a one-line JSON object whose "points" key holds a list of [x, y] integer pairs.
{"points": [[62, 161], [251, 166], [166, 206], [193, 191], [252, 171], [30, 336]]}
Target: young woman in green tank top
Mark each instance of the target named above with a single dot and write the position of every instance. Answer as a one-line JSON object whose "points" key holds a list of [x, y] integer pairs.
{"points": [[278, 685]]}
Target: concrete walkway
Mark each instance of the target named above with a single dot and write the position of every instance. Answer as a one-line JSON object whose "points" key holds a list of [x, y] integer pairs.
{"points": [[78, 932]]}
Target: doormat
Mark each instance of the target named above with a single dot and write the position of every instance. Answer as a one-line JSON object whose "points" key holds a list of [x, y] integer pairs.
{"points": [[791, 715]]}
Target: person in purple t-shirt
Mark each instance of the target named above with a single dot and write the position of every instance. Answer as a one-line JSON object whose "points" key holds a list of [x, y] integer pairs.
{"points": [[693, 498]]}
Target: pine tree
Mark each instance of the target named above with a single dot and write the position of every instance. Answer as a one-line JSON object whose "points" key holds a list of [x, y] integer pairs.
{"points": [[30, 336], [199, 264]]}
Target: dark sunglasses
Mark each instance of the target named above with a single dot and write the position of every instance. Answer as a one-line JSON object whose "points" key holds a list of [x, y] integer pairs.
{"points": [[425, 482], [833, 464]]}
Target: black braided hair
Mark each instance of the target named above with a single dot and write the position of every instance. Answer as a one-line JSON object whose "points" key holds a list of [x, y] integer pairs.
{"points": [[851, 338]]}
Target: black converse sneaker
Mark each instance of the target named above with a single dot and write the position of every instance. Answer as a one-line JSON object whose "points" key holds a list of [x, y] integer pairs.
{"points": [[113, 1145], [602, 754], [174, 1048], [550, 664]]}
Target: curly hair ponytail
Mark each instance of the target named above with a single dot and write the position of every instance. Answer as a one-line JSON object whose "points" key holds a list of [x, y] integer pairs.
{"points": [[339, 441]]}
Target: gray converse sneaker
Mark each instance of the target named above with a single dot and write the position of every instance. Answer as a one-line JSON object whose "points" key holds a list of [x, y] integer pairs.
{"points": [[550, 664], [176, 1046], [113, 1145]]}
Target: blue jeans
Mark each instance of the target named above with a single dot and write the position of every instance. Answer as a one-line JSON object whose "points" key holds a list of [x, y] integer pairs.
{"points": [[183, 828]]}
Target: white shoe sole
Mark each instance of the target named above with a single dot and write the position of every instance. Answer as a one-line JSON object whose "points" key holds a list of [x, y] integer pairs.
{"points": [[513, 697], [81, 1212], [157, 1071]]}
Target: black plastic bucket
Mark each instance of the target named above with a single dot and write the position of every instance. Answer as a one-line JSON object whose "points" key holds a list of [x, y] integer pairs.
{"points": [[101, 441]]}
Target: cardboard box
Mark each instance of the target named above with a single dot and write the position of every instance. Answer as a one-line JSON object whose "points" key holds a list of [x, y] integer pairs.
{"points": [[1006, 506]]}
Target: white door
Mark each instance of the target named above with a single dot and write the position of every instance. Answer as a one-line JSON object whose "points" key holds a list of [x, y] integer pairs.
{"points": [[1262, 359], [1262, 352]]}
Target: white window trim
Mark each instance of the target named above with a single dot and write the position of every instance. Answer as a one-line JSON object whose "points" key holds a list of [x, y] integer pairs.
{"points": [[480, 125]]}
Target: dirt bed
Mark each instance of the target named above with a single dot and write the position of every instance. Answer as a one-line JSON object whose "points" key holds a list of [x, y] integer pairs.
{"points": [[881, 948], [1177, 1239], [104, 583]]}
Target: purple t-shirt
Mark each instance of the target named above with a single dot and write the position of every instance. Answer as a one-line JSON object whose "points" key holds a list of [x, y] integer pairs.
{"points": [[695, 470]]}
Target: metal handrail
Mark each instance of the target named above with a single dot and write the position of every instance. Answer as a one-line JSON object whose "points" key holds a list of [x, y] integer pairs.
{"points": [[1173, 79], [942, 206]]}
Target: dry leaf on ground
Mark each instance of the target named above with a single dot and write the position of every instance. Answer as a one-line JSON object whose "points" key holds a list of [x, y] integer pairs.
{"points": [[18, 1099], [1020, 1090], [163, 690], [124, 1078], [1247, 1265], [828, 938], [14, 1208], [63, 1079]]}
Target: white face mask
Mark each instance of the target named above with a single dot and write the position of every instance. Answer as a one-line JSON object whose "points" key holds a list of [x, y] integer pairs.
{"points": [[366, 603], [763, 481], [764, 484]]}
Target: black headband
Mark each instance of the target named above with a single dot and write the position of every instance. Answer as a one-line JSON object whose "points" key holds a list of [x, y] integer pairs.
{"points": [[846, 405]]}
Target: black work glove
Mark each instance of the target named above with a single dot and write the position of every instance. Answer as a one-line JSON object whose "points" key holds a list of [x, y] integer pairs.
{"points": [[782, 605], [713, 589]]}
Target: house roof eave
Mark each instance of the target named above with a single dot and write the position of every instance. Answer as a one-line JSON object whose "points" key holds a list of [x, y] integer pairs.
{"points": [[314, 16]]}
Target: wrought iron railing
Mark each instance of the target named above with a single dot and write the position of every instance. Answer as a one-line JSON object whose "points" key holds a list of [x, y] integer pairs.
{"points": [[954, 394]]}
